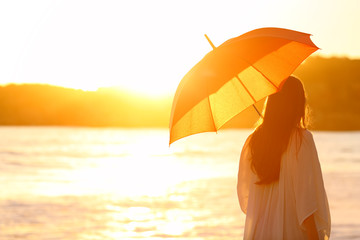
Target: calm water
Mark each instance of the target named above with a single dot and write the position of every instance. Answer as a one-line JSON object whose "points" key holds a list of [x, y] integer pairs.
{"points": [[81, 183]]}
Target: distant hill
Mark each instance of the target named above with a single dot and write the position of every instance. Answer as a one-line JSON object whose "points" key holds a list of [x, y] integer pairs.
{"points": [[333, 89], [34, 104], [332, 85]]}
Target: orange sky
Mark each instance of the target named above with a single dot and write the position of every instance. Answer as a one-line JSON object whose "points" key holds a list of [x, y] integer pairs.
{"points": [[148, 46]]}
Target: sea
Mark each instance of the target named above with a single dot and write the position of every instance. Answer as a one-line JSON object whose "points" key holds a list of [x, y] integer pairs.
{"points": [[112, 183]]}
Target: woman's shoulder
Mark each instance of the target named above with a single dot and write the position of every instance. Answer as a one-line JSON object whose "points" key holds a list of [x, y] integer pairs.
{"points": [[304, 133], [303, 140]]}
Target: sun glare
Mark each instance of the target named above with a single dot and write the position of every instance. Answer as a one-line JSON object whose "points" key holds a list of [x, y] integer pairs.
{"points": [[150, 88]]}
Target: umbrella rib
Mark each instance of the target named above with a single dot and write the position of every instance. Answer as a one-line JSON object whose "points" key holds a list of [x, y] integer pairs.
{"points": [[212, 116], [247, 90], [276, 87], [260, 73]]}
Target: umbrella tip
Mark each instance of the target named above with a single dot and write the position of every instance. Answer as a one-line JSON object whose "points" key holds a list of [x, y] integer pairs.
{"points": [[212, 45]]}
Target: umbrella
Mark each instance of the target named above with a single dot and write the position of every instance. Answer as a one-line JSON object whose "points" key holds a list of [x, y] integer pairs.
{"points": [[234, 76]]}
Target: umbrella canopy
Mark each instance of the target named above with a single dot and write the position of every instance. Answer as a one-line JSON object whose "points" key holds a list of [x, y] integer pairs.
{"points": [[234, 76]]}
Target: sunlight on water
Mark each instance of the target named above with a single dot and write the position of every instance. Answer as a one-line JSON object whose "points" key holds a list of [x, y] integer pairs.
{"points": [[80, 183], [146, 167]]}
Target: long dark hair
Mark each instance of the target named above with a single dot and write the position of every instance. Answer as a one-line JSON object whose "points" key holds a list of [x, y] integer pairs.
{"points": [[284, 114]]}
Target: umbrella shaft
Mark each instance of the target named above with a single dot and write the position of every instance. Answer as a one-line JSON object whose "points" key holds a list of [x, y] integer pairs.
{"points": [[257, 111]]}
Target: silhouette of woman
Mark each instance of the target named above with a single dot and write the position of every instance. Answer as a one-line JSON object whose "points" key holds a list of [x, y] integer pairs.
{"points": [[280, 185]]}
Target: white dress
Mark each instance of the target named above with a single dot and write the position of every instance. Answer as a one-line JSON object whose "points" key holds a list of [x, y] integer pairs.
{"points": [[278, 210]]}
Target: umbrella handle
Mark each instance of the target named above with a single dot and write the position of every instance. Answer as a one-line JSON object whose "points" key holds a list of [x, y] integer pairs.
{"points": [[212, 45]]}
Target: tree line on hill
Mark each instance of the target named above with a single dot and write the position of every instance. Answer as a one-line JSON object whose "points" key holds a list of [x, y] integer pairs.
{"points": [[332, 86], [34, 104]]}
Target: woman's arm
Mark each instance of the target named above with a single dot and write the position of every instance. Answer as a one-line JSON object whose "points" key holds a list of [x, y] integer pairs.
{"points": [[310, 226]]}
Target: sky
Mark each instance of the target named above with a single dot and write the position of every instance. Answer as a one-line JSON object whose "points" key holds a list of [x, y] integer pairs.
{"points": [[148, 46]]}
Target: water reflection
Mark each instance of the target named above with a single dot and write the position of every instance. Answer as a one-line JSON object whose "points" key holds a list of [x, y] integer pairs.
{"points": [[122, 184]]}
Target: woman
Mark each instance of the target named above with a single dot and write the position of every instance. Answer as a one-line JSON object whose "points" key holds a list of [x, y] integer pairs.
{"points": [[280, 186]]}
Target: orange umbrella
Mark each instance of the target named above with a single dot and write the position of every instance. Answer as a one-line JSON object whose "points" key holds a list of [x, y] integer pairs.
{"points": [[234, 76]]}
